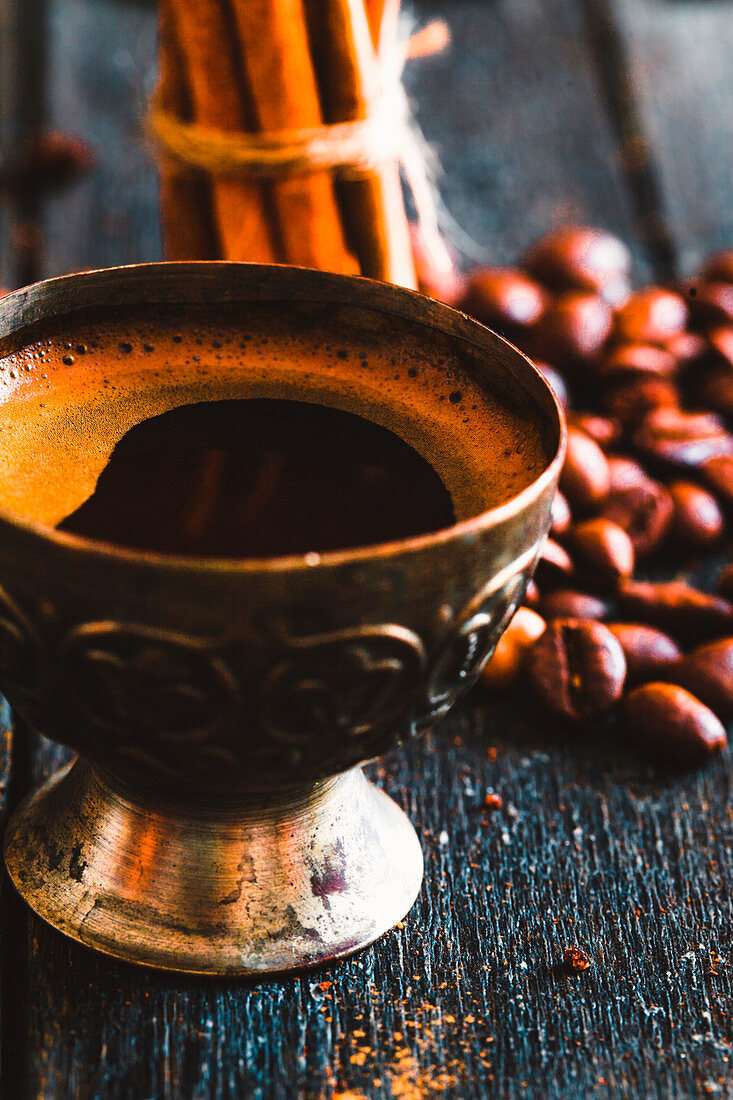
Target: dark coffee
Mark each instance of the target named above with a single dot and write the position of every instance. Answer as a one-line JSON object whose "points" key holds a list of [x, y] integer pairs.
{"points": [[259, 478]]}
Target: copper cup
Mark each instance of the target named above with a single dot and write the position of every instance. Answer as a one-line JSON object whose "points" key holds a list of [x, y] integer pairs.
{"points": [[217, 819]]}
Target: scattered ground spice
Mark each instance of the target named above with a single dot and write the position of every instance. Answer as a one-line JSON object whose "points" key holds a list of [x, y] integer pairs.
{"points": [[576, 958]]}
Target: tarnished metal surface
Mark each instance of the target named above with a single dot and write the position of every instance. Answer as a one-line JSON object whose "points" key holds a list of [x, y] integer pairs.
{"points": [[234, 890], [298, 673]]}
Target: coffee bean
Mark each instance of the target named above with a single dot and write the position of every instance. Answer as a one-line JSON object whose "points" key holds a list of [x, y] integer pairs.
{"points": [[644, 511], [585, 478], [718, 473], [686, 347], [720, 345], [686, 613], [602, 551], [648, 651], [437, 275], [573, 329], [697, 520], [555, 380], [567, 603], [670, 725], [711, 303], [634, 359], [715, 390], [725, 582], [577, 668], [603, 429], [532, 596], [680, 438], [719, 268], [501, 672], [554, 567], [561, 517], [626, 473], [651, 316], [583, 259], [630, 400], [503, 298], [707, 672]]}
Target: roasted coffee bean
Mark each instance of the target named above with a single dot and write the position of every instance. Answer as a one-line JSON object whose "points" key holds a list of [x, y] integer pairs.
{"points": [[603, 429], [680, 438], [555, 566], [573, 329], [556, 381], [602, 551], [644, 511], [718, 473], [719, 268], [648, 652], [710, 303], [686, 613], [626, 473], [715, 390], [651, 316], [504, 298], [501, 672], [47, 162], [532, 596], [686, 347], [583, 259], [634, 359], [567, 603], [707, 672], [725, 582], [697, 520], [577, 668], [561, 516], [437, 275], [631, 400], [720, 345], [671, 726], [584, 479]]}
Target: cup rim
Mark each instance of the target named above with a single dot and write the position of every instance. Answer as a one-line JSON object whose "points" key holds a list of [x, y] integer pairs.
{"points": [[462, 529]]}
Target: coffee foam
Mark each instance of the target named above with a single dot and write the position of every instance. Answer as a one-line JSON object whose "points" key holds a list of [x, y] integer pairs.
{"points": [[70, 394]]}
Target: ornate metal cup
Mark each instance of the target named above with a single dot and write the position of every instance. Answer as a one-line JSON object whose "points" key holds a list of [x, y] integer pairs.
{"points": [[217, 819]]}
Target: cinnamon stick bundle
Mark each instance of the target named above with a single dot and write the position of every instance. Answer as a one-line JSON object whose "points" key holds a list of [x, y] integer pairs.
{"points": [[348, 71], [189, 231], [205, 35], [281, 67], [277, 64]]}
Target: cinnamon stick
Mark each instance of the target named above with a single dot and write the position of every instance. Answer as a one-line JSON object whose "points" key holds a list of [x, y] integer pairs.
{"points": [[375, 11], [277, 65], [189, 232], [346, 63], [206, 39]]}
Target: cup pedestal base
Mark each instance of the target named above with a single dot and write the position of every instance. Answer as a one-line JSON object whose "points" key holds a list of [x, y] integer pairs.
{"points": [[248, 888]]}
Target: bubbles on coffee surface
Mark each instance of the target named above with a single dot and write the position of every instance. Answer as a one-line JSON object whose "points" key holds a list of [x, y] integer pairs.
{"points": [[60, 421]]}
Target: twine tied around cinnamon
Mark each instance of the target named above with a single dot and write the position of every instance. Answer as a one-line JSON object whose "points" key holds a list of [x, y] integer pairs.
{"points": [[349, 149]]}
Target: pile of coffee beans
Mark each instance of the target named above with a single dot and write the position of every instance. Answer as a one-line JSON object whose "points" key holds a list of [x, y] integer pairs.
{"points": [[646, 377]]}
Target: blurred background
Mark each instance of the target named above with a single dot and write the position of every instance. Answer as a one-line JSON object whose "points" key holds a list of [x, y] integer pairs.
{"points": [[610, 112]]}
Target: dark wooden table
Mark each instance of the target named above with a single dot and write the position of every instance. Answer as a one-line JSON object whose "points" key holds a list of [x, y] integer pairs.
{"points": [[610, 112]]}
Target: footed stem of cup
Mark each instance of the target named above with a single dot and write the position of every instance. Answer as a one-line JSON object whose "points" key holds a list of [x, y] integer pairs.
{"points": [[239, 888]]}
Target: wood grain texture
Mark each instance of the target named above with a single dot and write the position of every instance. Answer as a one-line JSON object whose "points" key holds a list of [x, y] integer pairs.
{"points": [[518, 117], [101, 70], [470, 998], [681, 77]]}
